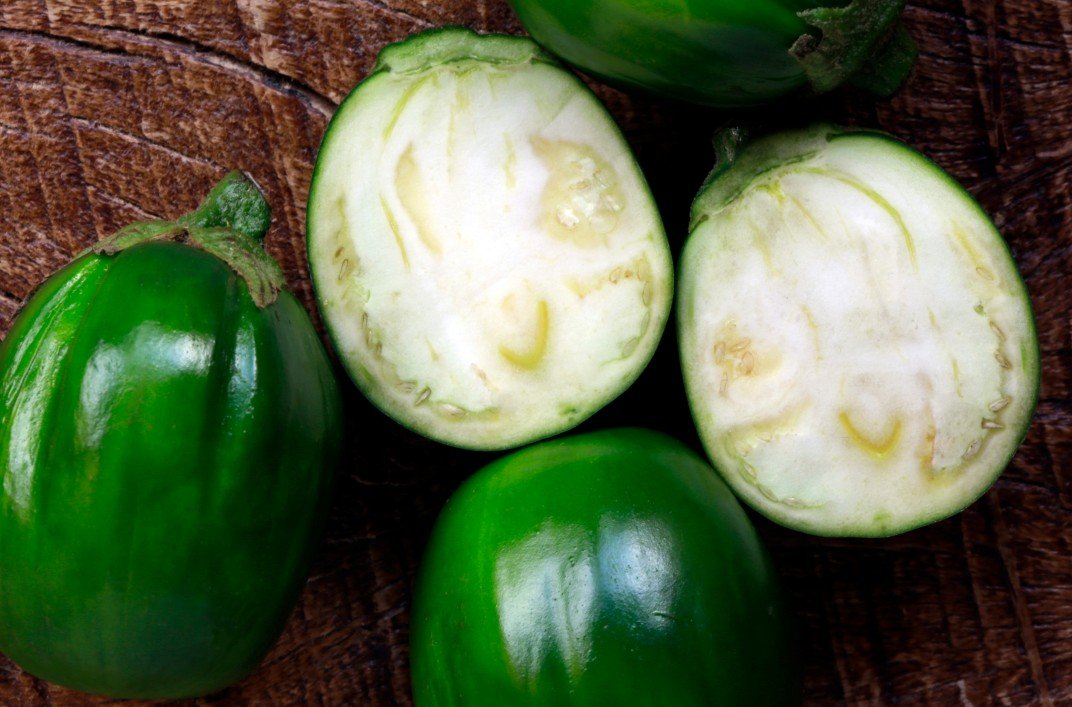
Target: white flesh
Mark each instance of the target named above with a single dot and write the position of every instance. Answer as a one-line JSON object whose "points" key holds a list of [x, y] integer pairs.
{"points": [[858, 346], [486, 252]]}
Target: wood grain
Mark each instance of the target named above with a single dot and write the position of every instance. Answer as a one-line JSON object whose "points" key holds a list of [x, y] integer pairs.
{"points": [[123, 109]]}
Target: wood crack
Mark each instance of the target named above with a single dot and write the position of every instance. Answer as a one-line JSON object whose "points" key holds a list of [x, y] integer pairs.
{"points": [[124, 135], [78, 153], [262, 75], [276, 80], [146, 214], [1023, 613], [979, 36], [27, 119], [16, 130], [380, 5]]}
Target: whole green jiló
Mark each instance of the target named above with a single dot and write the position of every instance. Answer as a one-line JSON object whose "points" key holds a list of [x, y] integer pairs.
{"points": [[611, 568], [169, 424], [728, 53]]}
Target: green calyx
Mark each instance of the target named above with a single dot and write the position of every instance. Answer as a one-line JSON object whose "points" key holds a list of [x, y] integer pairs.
{"points": [[741, 157], [454, 44], [728, 142], [863, 43], [230, 224]]}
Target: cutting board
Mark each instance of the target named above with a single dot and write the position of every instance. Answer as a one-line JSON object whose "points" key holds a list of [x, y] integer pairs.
{"points": [[121, 110]]}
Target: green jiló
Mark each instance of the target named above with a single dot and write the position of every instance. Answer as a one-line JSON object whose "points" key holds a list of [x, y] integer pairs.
{"points": [[728, 53], [610, 568], [859, 349], [487, 256], [169, 425]]}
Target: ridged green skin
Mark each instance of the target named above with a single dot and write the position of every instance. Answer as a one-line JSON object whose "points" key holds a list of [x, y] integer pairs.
{"points": [[612, 568], [166, 449], [715, 52]]}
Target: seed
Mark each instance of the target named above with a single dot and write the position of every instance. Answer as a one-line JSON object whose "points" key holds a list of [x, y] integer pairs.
{"points": [[741, 345], [645, 322], [646, 294], [748, 471], [767, 492], [615, 275], [379, 349], [1002, 361], [972, 449], [720, 352], [990, 425], [480, 373], [643, 267], [997, 331], [406, 387], [724, 385], [582, 185], [452, 410], [984, 273], [999, 403], [425, 394], [338, 252], [364, 320], [794, 502], [611, 203], [748, 362], [567, 217], [346, 268]]}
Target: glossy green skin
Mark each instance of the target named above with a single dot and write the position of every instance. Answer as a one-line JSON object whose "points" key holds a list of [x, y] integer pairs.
{"points": [[715, 52], [165, 452], [612, 568]]}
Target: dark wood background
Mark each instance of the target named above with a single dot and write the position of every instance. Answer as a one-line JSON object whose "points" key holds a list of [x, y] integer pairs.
{"points": [[118, 110]]}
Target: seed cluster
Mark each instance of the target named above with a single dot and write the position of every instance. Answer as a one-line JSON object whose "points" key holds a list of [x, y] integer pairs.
{"points": [[990, 424], [733, 355], [582, 202], [591, 198]]}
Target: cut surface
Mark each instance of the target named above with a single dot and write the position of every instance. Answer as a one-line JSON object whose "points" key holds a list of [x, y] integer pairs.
{"points": [[859, 349], [486, 253]]}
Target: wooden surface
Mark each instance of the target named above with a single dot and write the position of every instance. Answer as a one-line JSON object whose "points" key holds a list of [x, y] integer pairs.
{"points": [[118, 110]]}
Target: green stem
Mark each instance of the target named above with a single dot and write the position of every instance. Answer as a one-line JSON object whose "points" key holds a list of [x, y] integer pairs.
{"points": [[727, 141], [235, 203], [230, 224]]}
